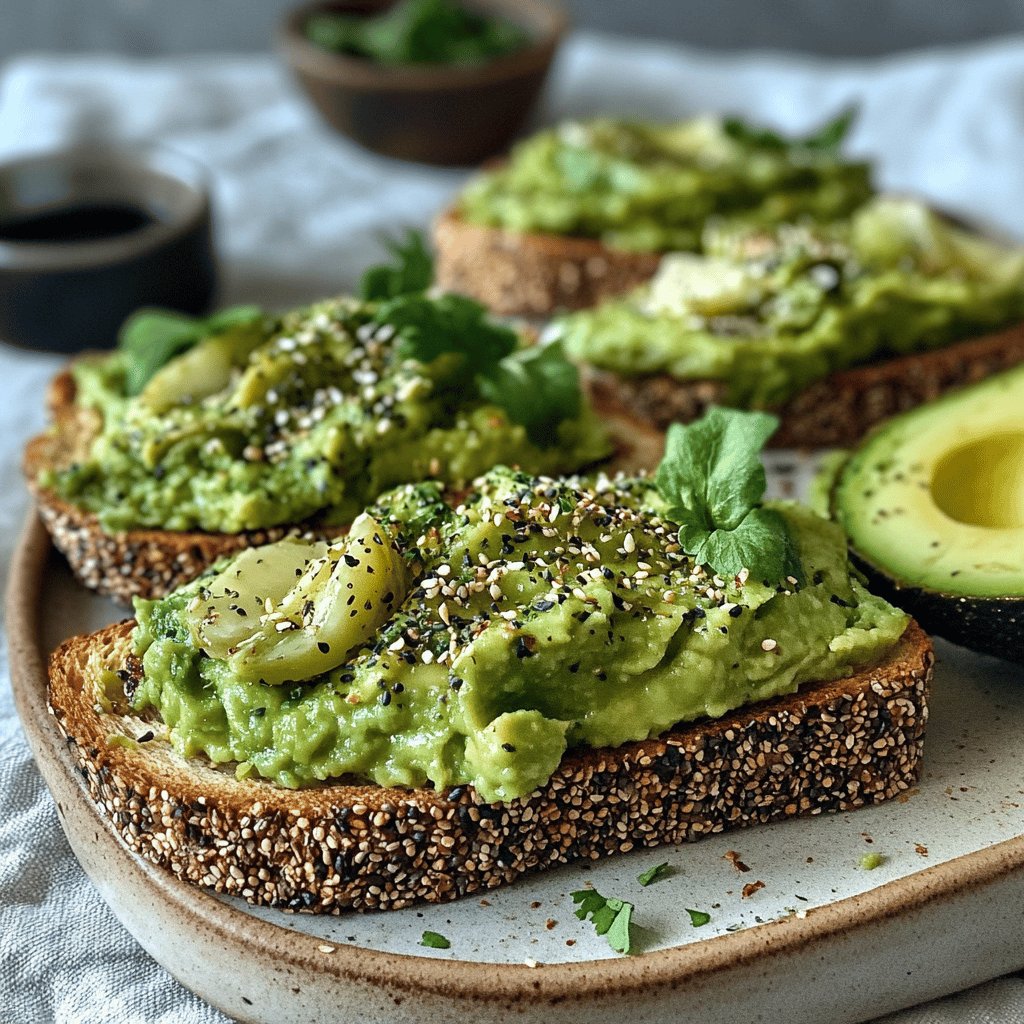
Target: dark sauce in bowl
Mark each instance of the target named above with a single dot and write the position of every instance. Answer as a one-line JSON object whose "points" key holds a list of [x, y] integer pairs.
{"points": [[80, 222]]}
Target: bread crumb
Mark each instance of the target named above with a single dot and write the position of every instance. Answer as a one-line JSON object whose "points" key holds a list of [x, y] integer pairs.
{"points": [[734, 859]]}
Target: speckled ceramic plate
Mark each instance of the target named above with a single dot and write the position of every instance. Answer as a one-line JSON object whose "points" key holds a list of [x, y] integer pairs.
{"points": [[822, 940]]}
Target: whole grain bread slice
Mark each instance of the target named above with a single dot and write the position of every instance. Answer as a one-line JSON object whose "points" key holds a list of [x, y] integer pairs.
{"points": [[134, 563], [348, 845], [833, 412], [533, 275]]}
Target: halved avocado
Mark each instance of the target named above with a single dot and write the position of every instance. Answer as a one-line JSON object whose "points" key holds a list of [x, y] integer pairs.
{"points": [[933, 505]]}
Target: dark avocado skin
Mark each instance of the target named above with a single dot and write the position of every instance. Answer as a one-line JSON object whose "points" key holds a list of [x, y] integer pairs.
{"points": [[988, 625]]}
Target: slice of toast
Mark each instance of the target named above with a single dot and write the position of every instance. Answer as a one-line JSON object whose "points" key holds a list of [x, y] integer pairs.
{"points": [[537, 275], [134, 563], [533, 275], [833, 412], [350, 845]]}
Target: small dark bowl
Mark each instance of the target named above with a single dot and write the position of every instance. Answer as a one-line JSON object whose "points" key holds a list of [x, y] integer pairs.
{"points": [[88, 235], [436, 114]]}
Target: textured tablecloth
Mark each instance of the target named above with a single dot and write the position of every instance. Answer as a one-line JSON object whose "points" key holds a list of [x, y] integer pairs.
{"points": [[299, 213]]}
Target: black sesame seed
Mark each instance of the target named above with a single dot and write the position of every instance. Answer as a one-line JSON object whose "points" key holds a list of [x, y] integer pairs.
{"points": [[508, 748], [323, 647]]}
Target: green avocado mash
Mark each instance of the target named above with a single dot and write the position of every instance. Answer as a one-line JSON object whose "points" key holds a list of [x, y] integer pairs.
{"points": [[636, 185], [537, 615], [316, 413], [769, 312]]}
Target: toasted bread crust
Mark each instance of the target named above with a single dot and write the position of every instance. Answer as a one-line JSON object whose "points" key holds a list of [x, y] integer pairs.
{"points": [[520, 274], [830, 747], [134, 563], [833, 412]]}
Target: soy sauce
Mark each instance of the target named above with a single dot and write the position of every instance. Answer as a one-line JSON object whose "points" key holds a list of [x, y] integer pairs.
{"points": [[81, 222]]}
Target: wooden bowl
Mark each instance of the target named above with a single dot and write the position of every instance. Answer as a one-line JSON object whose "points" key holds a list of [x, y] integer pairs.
{"points": [[437, 114]]}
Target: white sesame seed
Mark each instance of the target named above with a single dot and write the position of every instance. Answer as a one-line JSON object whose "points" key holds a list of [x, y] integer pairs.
{"points": [[769, 645]]}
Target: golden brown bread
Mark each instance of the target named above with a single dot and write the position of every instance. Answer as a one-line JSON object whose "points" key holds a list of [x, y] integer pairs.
{"points": [[135, 563], [833, 412], [830, 747], [534, 275], [537, 275]]}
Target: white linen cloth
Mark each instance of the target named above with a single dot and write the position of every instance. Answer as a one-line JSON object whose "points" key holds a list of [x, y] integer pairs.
{"points": [[299, 212]]}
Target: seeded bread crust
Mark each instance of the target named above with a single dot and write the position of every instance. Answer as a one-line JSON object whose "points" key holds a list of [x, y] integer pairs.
{"points": [[134, 563], [521, 274], [830, 747], [834, 412]]}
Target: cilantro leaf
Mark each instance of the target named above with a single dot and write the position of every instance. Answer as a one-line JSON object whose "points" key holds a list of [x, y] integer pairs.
{"points": [[712, 481], [538, 388], [611, 917], [654, 874], [831, 135], [434, 940], [698, 918], [432, 327], [151, 338], [412, 270], [827, 139]]}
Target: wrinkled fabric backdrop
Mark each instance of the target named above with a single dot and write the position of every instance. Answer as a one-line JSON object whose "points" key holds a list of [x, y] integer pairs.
{"points": [[299, 215]]}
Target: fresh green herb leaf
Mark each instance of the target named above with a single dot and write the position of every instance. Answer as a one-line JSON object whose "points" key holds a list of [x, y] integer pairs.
{"points": [[433, 327], [712, 481], [610, 917], [698, 918], [827, 139], [654, 874], [538, 388], [831, 135], [870, 861], [412, 270], [434, 940], [417, 32], [151, 338]]}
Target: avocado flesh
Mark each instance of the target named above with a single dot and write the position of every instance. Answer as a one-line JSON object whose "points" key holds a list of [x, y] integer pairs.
{"points": [[933, 505]]}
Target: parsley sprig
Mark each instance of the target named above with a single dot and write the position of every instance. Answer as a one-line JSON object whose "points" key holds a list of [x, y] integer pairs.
{"points": [[411, 271], [712, 481], [537, 386], [150, 338], [825, 140], [654, 874], [611, 917]]}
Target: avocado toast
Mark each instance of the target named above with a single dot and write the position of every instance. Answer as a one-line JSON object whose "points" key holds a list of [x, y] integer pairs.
{"points": [[264, 426], [502, 687], [833, 326], [585, 210]]}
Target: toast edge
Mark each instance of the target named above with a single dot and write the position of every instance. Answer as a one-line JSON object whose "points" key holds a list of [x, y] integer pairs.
{"points": [[828, 748]]}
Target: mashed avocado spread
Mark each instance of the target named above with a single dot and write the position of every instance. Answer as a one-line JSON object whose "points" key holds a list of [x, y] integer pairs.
{"points": [[315, 413], [770, 311], [638, 185], [537, 614]]}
